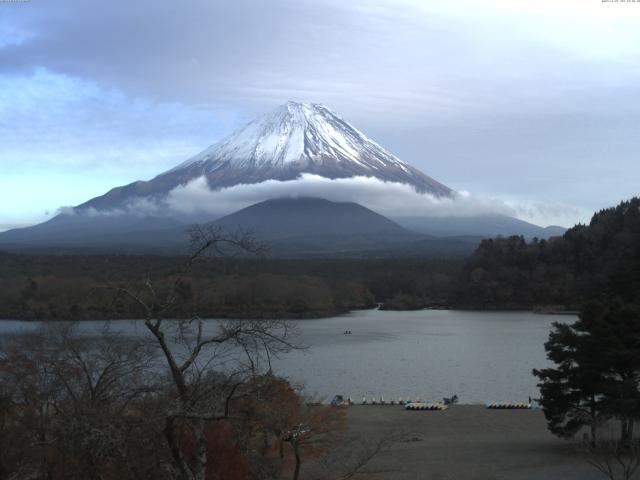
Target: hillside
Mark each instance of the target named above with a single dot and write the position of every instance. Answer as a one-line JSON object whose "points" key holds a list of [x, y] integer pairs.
{"points": [[283, 218], [587, 262]]}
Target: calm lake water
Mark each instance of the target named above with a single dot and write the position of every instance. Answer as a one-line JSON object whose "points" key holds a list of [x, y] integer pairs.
{"points": [[480, 356]]}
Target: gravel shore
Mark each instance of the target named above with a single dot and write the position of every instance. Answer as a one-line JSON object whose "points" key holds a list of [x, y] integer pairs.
{"points": [[468, 442]]}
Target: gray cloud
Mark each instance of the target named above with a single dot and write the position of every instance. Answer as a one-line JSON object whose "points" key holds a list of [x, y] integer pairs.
{"points": [[404, 55], [518, 100], [53, 120]]}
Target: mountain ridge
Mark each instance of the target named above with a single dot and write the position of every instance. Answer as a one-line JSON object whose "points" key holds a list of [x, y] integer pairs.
{"points": [[299, 227], [294, 227], [485, 226]]}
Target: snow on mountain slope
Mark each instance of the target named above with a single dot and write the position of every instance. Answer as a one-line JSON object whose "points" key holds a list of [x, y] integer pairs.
{"points": [[295, 132], [300, 138], [294, 139]]}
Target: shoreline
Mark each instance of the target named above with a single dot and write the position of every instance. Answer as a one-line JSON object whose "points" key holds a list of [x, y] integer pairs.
{"points": [[296, 316]]}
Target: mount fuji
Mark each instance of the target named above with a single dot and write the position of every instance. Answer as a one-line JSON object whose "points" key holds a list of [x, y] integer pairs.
{"points": [[293, 139]]}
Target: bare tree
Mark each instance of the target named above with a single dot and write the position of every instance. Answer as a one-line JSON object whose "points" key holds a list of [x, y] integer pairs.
{"points": [[207, 366], [74, 400], [192, 400]]}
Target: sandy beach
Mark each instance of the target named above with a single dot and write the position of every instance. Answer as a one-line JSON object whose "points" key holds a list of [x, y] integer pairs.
{"points": [[468, 442]]}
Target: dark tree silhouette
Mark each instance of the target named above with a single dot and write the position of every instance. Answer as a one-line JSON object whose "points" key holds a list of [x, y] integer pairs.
{"points": [[597, 373]]}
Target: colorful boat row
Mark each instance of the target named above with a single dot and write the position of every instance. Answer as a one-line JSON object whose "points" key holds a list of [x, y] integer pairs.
{"points": [[341, 401], [382, 401], [509, 405], [425, 406]]}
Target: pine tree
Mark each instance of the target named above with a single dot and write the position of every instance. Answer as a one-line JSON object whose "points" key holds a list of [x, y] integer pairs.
{"points": [[615, 327], [597, 373], [571, 393]]}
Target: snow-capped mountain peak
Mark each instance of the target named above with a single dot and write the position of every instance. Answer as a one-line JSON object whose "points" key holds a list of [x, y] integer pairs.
{"points": [[293, 132], [292, 140], [304, 138]]}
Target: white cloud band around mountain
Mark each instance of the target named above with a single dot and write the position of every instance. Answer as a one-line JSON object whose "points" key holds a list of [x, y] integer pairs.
{"points": [[197, 200], [387, 198]]}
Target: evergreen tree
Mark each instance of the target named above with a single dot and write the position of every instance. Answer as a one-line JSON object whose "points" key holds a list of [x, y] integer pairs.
{"points": [[571, 393], [597, 373], [615, 327]]}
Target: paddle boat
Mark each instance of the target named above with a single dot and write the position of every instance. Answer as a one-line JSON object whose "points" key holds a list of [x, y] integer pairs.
{"points": [[509, 405], [425, 406]]}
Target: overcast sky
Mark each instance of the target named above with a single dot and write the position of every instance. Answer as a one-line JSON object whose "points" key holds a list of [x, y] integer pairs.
{"points": [[535, 103]]}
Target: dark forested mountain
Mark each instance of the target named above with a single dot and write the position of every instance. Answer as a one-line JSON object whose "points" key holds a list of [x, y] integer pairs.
{"points": [[587, 262], [315, 226], [309, 217], [486, 226], [292, 227], [98, 233]]}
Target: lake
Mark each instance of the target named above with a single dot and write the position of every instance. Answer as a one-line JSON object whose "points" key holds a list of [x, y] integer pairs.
{"points": [[480, 356]]}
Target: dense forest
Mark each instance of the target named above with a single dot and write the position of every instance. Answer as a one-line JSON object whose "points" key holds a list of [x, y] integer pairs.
{"points": [[82, 287], [587, 262], [503, 273]]}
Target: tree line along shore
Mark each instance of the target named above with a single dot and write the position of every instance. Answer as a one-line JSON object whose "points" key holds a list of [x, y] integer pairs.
{"points": [[503, 273]]}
